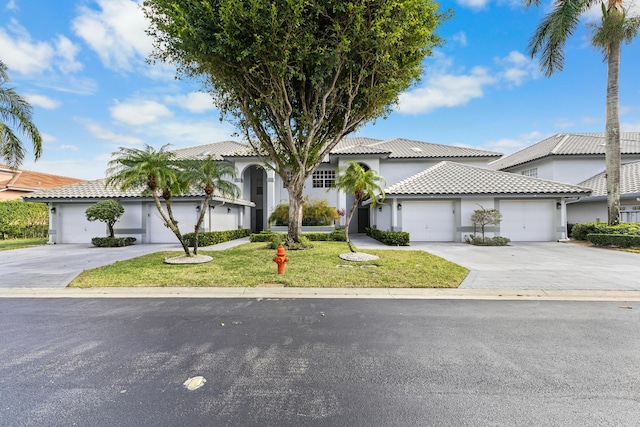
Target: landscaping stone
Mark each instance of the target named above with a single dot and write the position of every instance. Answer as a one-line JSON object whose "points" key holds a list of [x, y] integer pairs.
{"points": [[183, 259], [358, 257]]}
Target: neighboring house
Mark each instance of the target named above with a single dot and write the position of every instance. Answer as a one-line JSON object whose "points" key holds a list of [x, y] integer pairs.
{"points": [[433, 190], [15, 183], [579, 158]]}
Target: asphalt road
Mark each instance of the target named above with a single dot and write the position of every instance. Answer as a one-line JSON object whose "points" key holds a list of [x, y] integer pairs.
{"points": [[123, 362]]}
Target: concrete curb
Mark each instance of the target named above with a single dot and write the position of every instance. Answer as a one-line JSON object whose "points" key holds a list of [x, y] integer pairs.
{"points": [[353, 293]]}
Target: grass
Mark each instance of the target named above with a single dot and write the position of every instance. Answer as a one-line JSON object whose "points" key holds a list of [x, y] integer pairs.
{"points": [[9, 244], [251, 265]]}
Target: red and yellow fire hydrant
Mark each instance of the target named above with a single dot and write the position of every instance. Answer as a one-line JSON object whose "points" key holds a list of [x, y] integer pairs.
{"points": [[280, 259]]}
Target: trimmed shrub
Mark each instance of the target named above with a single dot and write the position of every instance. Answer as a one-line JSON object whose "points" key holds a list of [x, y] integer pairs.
{"points": [[389, 238], [314, 212], [268, 236], [580, 231], [487, 241], [621, 240], [112, 242], [214, 237]]}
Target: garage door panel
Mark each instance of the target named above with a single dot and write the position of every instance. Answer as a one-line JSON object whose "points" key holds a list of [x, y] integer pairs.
{"points": [[186, 215], [429, 221], [73, 226], [528, 221]]}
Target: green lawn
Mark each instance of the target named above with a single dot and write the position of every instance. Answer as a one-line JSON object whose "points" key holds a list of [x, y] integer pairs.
{"points": [[8, 244], [251, 264]]}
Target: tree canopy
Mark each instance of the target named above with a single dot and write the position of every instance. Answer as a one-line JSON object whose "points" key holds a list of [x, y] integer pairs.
{"points": [[296, 76]]}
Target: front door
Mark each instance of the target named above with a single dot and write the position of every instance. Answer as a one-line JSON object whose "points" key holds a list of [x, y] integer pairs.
{"points": [[363, 220]]}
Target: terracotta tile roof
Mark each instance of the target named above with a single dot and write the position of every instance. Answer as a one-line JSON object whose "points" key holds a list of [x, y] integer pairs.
{"points": [[568, 144], [450, 178], [629, 181], [24, 180]]}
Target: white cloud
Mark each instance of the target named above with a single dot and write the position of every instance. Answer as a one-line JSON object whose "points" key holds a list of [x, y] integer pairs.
{"points": [[630, 127], [195, 102], [188, 134], [42, 101], [11, 5], [93, 168], [116, 33], [67, 148], [66, 52], [104, 134], [446, 90], [139, 112], [511, 145], [48, 139], [23, 55], [473, 4], [461, 38], [27, 56], [71, 84]]}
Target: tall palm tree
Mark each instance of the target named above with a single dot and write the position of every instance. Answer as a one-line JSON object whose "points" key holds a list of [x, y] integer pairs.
{"points": [[549, 40], [15, 115], [155, 170], [363, 184], [209, 175]]}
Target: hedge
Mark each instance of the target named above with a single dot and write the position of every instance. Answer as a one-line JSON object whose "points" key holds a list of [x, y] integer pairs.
{"points": [[390, 238], [621, 240], [268, 236], [487, 241], [580, 231], [20, 219], [209, 238], [112, 242]]}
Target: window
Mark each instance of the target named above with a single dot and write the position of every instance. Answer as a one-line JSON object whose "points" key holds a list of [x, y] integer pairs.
{"points": [[324, 179], [533, 173]]}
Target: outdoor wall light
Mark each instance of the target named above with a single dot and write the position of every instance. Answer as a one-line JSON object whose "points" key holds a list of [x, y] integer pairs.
{"points": [[53, 210], [558, 205], [380, 208], [197, 208], [399, 206], [228, 210]]}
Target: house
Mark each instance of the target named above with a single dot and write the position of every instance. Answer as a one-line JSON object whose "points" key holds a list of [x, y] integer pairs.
{"points": [[400, 161], [15, 183], [579, 158]]}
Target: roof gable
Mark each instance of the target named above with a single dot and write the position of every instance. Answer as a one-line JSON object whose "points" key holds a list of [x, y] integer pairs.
{"points": [[629, 181], [450, 178], [568, 144], [24, 180]]}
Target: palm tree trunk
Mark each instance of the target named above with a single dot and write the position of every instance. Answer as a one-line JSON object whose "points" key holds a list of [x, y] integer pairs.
{"points": [[348, 221], [612, 135], [169, 221], [196, 231]]}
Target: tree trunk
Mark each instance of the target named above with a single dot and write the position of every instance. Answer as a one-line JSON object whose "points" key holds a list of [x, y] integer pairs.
{"points": [[296, 198], [169, 221], [612, 135], [196, 230], [356, 202]]}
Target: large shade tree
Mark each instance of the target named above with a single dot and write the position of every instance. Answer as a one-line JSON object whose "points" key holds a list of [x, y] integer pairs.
{"points": [[296, 76], [15, 119], [363, 184], [615, 28]]}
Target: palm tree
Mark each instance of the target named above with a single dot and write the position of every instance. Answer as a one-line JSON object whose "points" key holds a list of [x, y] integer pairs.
{"points": [[549, 40], [154, 169], [363, 184], [15, 113], [209, 175]]}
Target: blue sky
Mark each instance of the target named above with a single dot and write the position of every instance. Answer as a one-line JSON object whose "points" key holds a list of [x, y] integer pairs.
{"points": [[81, 64]]}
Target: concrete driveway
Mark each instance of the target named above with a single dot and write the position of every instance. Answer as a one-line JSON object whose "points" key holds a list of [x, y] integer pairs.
{"points": [[54, 266], [542, 265], [533, 265]]}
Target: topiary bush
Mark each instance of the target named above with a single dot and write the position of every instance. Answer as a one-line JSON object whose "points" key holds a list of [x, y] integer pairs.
{"points": [[112, 242], [487, 241], [621, 240], [267, 236], [390, 238], [314, 212], [214, 237]]}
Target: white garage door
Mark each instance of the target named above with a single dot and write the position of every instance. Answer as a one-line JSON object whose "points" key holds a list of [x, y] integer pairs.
{"points": [[528, 221], [73, 226], [185, 214], [429, 221]]}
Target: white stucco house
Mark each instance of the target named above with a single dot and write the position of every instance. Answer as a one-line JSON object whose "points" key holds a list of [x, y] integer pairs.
{"points": [[579, 158], [432, 190]]}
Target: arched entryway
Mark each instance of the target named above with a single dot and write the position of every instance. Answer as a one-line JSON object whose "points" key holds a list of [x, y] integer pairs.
{"points": [[254, 181]]}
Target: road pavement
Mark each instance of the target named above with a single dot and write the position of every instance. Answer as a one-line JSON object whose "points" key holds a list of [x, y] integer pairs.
{"points": [[124, 362]]}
